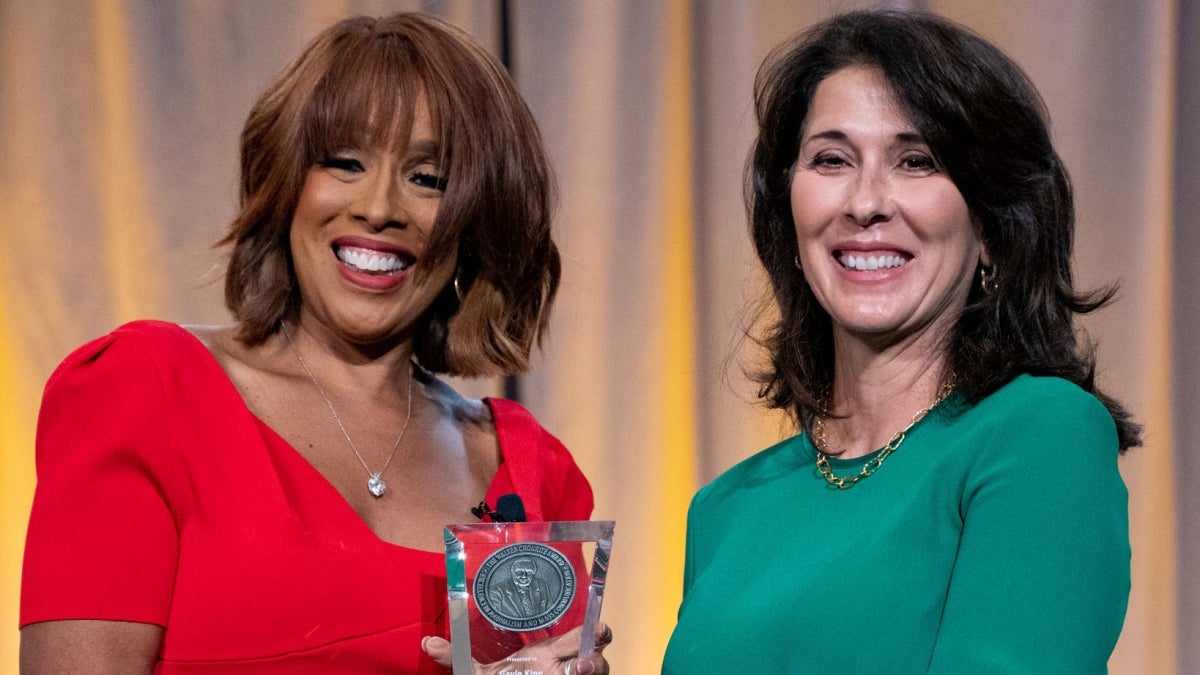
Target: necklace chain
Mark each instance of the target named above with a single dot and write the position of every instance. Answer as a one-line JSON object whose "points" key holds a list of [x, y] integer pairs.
{"points": [[873, 464], [375, 483]]}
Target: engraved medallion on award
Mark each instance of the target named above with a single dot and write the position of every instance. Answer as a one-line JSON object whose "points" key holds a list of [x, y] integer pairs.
{"points": [[512, 584]]}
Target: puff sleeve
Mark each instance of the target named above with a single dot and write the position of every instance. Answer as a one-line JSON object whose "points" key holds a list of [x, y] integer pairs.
{"points": [[102, 540]]}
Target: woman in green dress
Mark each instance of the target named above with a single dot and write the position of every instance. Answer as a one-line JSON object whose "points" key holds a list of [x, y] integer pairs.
{"points": [[952, 503]]}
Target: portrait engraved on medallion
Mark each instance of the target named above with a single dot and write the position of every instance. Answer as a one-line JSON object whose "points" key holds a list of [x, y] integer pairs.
{"points": [[524, 587]]}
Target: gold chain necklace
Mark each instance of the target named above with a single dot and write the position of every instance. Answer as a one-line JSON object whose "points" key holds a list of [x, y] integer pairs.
{"points": [[375, 483], [873, 464]]}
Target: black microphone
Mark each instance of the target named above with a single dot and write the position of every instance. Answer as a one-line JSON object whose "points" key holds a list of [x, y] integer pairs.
{"points": [[509, 509]]}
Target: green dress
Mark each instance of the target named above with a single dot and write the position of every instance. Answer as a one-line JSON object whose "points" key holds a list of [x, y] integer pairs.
{"points": [[994, 540]]}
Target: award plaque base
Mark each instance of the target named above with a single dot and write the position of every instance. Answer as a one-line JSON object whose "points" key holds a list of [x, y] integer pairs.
{"points": [[514, 584]]}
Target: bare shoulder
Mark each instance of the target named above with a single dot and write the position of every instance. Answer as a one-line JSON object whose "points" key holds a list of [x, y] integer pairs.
{"points": [[234, 355], [216, 339], [255, 370], [89, 646], [470, 413]]}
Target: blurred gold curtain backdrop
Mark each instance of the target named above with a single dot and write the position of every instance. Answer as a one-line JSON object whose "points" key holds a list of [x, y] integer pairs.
{"points": [[118, 132]]}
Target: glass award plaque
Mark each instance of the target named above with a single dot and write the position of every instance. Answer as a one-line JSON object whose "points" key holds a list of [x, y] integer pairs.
{"points": [[514, 584]]}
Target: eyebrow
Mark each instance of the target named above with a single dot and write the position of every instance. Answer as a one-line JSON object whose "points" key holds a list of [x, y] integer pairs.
{"points": [[832, 134], [836, 135], [427, 148]]}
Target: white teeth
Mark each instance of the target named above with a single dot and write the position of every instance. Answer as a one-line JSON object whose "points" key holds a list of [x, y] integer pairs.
{"points": [[370, 261], [871, 262]]}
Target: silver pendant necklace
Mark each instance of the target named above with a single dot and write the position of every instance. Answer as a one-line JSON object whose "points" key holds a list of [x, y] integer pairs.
{"points": [[375, 483]]}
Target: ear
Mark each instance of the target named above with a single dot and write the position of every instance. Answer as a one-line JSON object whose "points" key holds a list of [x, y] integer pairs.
{"points": [[984, 258]]}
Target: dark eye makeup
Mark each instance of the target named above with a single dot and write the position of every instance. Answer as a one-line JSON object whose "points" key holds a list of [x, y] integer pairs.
{"points": [[341, 163], [429, 180]]}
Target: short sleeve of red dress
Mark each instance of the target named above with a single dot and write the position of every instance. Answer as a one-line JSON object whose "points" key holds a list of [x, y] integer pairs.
{"points": [[102, 541]]}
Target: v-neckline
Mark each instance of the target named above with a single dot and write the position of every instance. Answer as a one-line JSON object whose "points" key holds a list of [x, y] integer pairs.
{"points": [[318, 478]]}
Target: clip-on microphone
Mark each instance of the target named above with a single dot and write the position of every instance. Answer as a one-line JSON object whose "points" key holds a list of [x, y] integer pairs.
{"points": [[509, 509]]}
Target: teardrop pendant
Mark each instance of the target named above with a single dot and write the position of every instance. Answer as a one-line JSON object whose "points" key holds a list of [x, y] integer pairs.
{"points": [[376, 485]]}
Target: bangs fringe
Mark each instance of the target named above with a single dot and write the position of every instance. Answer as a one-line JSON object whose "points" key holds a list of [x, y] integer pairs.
{"points": [[367, 98]]}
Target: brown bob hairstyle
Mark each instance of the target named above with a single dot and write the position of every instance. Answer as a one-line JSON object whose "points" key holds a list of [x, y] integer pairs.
{"points": [[355, 85]]}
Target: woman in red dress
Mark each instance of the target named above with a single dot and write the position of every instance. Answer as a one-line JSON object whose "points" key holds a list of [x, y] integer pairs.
{"points": [[269, 496]]}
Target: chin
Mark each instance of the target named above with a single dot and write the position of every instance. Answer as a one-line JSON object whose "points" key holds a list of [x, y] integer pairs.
{"points": [[873, 329], [868, 321]]}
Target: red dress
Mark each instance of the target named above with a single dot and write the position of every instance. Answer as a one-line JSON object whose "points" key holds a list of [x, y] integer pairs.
{"points": [[162, 499]]}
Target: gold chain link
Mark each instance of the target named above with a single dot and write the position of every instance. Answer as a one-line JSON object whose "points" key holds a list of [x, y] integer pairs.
{"points": [[873, 464]]}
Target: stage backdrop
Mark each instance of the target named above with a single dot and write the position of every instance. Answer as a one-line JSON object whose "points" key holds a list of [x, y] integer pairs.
{"points": [[118, 133]]}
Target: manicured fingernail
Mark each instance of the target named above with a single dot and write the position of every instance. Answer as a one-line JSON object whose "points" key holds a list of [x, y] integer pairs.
{"points": [[585, 667], [425, 644]]}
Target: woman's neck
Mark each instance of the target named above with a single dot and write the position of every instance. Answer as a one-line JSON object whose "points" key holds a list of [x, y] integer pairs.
{"points": [[876, 393], [378, 370]]}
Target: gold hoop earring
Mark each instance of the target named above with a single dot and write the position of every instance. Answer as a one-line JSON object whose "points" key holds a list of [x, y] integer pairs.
{"points": [[457, 285], [988, 281]]}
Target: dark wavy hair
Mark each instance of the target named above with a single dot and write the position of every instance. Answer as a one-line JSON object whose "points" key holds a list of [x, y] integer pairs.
{"points": [[986, 124], [494, 217]]}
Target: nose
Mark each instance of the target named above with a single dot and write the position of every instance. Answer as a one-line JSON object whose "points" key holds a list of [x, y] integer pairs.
{"points": [[379, 204], [870, 201]]}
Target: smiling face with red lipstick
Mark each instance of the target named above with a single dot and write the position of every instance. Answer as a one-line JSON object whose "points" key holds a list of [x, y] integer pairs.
{"points": [[380, 208], [359, 238], [885, 238]]}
